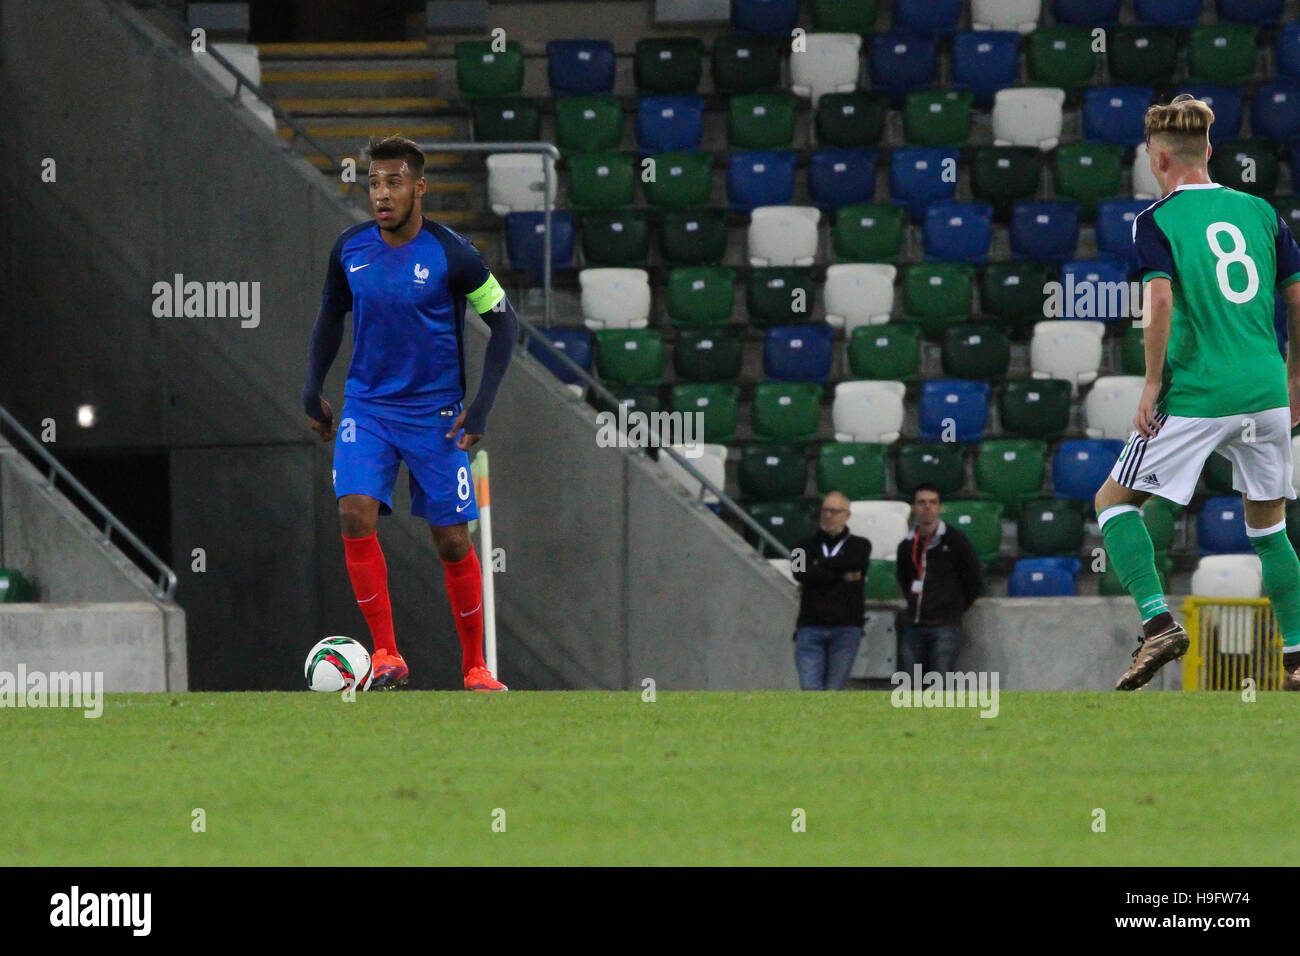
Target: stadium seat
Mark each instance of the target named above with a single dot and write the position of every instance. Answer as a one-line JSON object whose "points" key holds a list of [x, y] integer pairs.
{"points": [[1132, 351], [790, 522], [515, 182], [937, 295], [780, 295], [857, 294], [854, 469], [639, 398], [920, 175], [984, 62], [525, 242], [1019, 15], [700, 296], [1087, 13], [1081, 466], [1028, 116], [1222, 53], [976, 350], [615, 238], [630, 356], [668, 65], [1047, 231], [1260, 12], [1250, 165], [709, 460], [885, 352], [708, 355], [746, 64], [665, 124], [868, 233], [1145, 185], [1115, 227], [602, 180], [760, 178], [839, 177], [1227, 106], [1110, 404], [958, 231], [882, 581], [482, 71], [927, 17], [782, 236], [1229, 576], [588, 124], [1221, 527], [506, 120], [883, 523], [1068, 349], [868, 411], [940, 463], [937, 117], [1114, 114], [1088, 173], [615, 298], [580, 67], [1288, 206], [980, 522], [1013, 291], [771, 472], [1098, 289], [681, 180], [1142, 54], [1010, 470], [767, 17], [692, 237], [1217, 475], [953, 409], [829, 63], [1003, 175], [14, 587], [1168, 13], [851, 120], [1041, 577], [761, 121], [718, 403], [787, 411], [843, 16], [900, 63], [1061, 57], [574, 343], [1035, 408], [1286, 52], [1049, 526], [1275, 110], [798, 353]]}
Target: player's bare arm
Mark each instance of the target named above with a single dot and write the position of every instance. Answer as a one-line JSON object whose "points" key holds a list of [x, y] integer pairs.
{"points": [[1292, 296], [1157, 312]]}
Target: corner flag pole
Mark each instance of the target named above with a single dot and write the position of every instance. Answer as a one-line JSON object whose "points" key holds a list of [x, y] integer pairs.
{"points": [[479, 469]]}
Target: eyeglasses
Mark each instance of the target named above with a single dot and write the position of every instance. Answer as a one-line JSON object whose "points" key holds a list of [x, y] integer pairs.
{"points": [[835, 511]]}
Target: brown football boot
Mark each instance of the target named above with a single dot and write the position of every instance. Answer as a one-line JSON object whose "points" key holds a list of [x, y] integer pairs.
{"points": [[1153, 653]]}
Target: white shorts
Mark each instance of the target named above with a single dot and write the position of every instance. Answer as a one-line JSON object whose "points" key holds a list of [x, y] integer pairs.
{"points": [[1168, 465]]}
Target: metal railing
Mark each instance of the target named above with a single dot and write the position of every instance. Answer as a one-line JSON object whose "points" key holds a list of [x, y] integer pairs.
{"points": [[164, 578]]}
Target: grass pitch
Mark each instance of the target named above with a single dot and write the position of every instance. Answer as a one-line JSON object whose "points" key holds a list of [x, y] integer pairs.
{"points": [[693, 778]]}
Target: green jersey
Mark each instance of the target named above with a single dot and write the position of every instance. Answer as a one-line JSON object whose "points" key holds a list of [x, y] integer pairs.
{"points": [[1224, 252]]}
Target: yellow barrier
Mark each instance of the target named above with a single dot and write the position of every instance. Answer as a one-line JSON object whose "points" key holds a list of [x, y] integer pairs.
{"points": [[1231, 639]]}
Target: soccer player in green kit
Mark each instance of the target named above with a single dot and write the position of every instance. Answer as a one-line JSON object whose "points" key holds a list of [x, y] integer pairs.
{"points": [[1210, 258]]}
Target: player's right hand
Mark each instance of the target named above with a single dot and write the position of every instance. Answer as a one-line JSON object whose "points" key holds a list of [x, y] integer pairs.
{"points": [[1294, 390], [325, 427]]}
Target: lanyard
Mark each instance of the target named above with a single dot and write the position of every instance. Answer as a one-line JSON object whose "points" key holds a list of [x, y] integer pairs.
{"points": [[919, 563], [833, 551]]}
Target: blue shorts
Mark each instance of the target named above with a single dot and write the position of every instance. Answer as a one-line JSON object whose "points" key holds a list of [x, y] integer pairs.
{"points": [[368, 449]]}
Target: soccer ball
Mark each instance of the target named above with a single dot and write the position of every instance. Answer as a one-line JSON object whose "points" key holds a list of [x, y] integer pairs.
{"points": [[336, 664]]}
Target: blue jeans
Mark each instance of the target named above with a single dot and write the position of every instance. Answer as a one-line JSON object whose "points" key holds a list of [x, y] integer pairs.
{"points": [[824, 656], [934, 648]]}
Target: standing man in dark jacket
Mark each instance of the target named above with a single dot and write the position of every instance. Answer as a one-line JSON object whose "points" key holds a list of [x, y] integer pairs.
{"points": [[831, 568], [939, 574]]}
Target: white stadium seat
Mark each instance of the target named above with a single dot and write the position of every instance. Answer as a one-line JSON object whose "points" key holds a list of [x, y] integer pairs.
{"points": [[244, 58], [1028, 116], [868, 411], [858, 293], [1231, 576], [615, 298], [783, 236], [709, 460], [883, 523], [1144, 181], [1111, 404], [1068, 349], [1019, 15], [782, 565], [830, 64], [515, 183]]}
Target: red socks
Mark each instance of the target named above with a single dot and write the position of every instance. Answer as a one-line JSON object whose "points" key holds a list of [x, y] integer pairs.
{"points": [[369, 574], [465, 590]]}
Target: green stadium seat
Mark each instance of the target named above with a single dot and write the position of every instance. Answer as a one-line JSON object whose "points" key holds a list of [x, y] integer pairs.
{"points": [[980, 522], [507, 120], [746, 64], [1132, 351], [1061, 56], [1217, 474], [1050, 526], [787, 411], [937, 117], [615, 238], [1004, 175], [882, 581], [588, 124], [681, 180], [481, 71], [700, 296], [719, 403], [761, 120], [1222, 53], [1288, 206], [1010, 470], [888, 353], [668, 65], [788, 521], [602, 180], [1013, 291], [693, 237], [1035, 407], [772, 294], [708, 355], [1088, 173], [641, 398], [843, 16], [851, 120], [14, 588], [937, 295], [1229, 165], [868, 233], [630, 356], [771, 472], [976, 350], [1142, 55], [940, 463], [854, 469]]}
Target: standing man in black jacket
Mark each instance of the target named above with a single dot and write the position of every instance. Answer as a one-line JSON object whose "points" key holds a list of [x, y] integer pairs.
{"points": [[831, 568], [939, 574]]}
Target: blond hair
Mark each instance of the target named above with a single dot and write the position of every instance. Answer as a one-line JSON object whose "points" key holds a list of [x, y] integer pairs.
{"points": [[1183, 125]]}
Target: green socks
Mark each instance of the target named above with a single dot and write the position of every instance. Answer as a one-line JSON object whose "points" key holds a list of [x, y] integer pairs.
{"points": [[1281, 580], [1128, 546]]}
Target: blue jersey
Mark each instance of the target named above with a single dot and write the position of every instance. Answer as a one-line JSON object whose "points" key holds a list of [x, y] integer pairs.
{"points": [[408, 317]]}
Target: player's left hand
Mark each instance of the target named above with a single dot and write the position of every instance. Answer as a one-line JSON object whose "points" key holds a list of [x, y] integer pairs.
{"points": [[1293, 386], [1145, 419], [468, 439]]}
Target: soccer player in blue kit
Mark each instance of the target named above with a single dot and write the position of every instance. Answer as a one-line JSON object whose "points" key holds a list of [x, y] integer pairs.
{"points": [[406, 281]]}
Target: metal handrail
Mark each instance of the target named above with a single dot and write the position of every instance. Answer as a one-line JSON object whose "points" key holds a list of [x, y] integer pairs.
{"points": [[164, 577]]}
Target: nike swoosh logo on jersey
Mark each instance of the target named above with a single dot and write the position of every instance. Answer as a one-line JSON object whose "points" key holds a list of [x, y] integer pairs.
{"points": [[468, 613], [355, 268]]}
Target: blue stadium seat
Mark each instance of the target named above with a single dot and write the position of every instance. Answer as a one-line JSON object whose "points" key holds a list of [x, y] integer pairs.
{"points": [[1114, 114], [1286, 54], [666, 124], [1115, 227], [916, 177], [900, 63], [1046, 230], [927, 17], [1081, 466], [963, 403], [958, 231], [1043, 577], [1262, 12], [760, 178], [575, 343], [1226, 101], [524, 241], [798, 353], [774, 18], [1221, 527], [985, 61], [1168, 13], [1275, 112], [1105, 307], [1087, 13], [580, 67], [837, 177]]}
